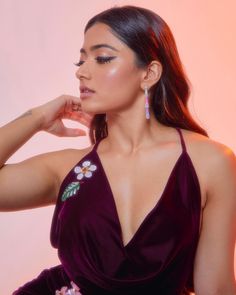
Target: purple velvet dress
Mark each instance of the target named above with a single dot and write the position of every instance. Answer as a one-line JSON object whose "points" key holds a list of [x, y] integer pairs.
{"points": [[87, 233]]}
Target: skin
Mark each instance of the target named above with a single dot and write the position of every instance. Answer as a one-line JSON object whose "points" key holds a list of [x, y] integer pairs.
{"points": [[133, 148]]}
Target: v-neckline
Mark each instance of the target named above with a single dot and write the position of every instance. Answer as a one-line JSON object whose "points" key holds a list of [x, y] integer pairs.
{"points": [[147, 216]]}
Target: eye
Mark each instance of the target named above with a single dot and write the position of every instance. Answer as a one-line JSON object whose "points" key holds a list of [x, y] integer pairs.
{"points": [[104, 59], [78, 64], [99, 59]]}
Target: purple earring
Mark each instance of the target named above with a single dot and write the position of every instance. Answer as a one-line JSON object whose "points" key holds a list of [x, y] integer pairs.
{"points": [[147, 113]]}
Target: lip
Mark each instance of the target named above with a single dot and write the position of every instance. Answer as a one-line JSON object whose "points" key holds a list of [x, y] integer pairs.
{"points": [[86, 94], [85, 89]]}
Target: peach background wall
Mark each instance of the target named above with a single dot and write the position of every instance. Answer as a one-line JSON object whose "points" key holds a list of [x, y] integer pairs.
{"points": [[40, 40]]}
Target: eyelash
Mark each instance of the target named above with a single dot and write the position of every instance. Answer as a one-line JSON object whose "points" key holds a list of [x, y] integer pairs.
{"points": [[100, 60]]}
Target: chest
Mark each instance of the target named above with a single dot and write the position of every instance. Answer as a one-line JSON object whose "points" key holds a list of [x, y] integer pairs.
{"points": [[137, 184]]}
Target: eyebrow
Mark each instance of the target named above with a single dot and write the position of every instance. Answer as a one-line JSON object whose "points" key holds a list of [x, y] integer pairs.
{"points": [[97, 46]]}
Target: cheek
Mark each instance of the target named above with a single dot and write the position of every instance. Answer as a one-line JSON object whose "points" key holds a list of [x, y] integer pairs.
{"points": [[113, 77], [116, 79]]}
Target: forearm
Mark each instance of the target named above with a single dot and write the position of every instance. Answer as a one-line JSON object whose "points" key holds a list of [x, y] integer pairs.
{"points": [[14, 134], [47, 282]]}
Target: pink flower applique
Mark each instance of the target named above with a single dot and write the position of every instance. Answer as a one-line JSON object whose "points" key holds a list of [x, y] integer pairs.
{"points": [[85, 170]]}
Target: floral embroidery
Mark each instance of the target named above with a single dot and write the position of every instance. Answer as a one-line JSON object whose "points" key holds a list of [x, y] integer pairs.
{"points": [[85, 171], [65, 290], [72, 188]]}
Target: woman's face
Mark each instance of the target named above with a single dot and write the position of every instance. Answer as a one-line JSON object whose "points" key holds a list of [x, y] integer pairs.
{"points": [[107, 66]]}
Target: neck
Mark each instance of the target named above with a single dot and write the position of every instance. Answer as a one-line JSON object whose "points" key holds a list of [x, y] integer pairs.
{"points": [[127, 134]]}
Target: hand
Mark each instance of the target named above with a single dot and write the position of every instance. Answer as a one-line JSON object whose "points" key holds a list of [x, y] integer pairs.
{"points": [[63, 107], [65, 291]]}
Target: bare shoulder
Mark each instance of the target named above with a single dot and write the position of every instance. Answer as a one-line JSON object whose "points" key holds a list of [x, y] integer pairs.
{"points": [[215, 164], [212, 159], [206, 149], [62, 161]]}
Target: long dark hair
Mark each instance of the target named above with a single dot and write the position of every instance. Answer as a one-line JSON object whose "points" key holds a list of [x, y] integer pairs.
{"points": [[148, 35]]}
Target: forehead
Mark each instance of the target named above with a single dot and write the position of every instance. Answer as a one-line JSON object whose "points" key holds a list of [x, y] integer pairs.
{"points": [[101, 34]]}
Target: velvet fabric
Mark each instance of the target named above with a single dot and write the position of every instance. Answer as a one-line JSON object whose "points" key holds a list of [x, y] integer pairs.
{"points": [[86, 231]]}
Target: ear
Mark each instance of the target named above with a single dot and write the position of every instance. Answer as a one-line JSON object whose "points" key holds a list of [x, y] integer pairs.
{"points": [[152, 74]]}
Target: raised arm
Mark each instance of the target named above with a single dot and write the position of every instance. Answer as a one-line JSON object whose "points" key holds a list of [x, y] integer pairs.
{"points": [[34, 182]]}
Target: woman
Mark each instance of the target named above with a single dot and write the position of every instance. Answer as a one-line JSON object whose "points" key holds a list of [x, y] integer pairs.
{"points": [[121, 224]]}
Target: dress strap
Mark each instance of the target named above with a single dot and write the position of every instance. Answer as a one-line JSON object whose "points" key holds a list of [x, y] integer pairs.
{"points": [[182, 139], [96, 144]]}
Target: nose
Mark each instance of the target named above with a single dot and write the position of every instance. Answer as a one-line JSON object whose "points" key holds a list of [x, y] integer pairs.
{"points": [[82, 72], [78, 74]]}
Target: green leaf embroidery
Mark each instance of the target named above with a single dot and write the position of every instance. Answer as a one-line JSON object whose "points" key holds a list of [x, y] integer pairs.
{"points": [[70, 190]]}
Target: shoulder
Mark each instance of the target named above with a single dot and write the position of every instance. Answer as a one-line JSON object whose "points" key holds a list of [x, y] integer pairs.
{"points": [[216, 164], [62, 161], [214, 153], [216, 160], [207, 146]]}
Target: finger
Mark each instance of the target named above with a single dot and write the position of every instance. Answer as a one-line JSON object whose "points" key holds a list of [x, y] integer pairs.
{"points": [[72, 132], [73, 103], [79, 117], [59, 129], [74, 286], [86, 116], [75, 107], [73, 98], [63, 290]]}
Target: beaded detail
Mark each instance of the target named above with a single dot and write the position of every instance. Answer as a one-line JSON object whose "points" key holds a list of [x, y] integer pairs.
{"points": [[70, 190], [84, 171]]}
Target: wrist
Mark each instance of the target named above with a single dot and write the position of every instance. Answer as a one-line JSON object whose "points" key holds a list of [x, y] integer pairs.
{"points": [[39, 118]]}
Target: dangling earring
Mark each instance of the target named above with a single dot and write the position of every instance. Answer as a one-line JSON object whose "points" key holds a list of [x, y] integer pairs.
{"points": [[147, 113]]}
